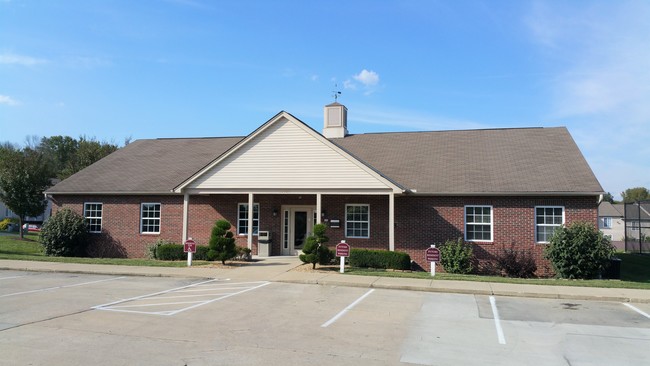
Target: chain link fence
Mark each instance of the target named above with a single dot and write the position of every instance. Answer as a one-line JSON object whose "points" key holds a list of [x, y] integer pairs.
{"points": [[637, 227]]}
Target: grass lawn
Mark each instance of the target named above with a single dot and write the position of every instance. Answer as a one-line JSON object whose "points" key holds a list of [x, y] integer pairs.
{"points": [[11, 247], [635, 273]]}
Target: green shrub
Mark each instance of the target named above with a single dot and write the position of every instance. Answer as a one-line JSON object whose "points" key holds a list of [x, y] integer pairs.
{"points": [[456, 256], [366, 258], [579, 251], [4, 224], [65, 234], [315, 250], [516, 263], [170, 252], [201, 253], [222, 243]]}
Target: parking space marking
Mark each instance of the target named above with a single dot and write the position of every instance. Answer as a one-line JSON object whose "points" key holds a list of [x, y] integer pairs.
{"points": [[637, 310], [59, 287], [348, 308], [8, 278], [497, 321], [214, 292]]}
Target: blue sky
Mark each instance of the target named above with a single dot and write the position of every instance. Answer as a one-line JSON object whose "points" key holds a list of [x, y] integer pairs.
{"points": [[194, 68]]}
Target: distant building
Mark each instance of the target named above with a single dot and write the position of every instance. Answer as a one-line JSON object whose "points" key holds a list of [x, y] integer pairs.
{"points": [[495, 188]]}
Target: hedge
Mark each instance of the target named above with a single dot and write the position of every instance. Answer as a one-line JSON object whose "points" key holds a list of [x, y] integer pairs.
{"points": [[170, 252], [366, 258]]}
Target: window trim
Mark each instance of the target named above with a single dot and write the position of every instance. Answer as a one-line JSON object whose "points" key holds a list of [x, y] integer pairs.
{"points": [[607, 219], [537, 225], [346, 220], [100, 217], [480, 223], [239, 205], [151, 218]]}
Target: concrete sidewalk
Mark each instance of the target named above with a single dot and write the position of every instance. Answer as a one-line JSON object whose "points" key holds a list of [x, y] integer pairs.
{"points": [[279, 269]]}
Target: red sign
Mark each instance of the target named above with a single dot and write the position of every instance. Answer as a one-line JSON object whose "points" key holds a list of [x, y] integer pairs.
{"points": [[433, 255], [190, 246], [342, 249]]}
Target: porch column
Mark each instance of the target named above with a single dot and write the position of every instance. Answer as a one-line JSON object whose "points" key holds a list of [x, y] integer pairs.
{"points": [[186, 204], [391, 222], [250, 221], [318, 208]]}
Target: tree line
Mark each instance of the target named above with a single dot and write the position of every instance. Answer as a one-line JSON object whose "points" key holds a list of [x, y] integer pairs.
{"points": [[26, 172], [629, 195]]}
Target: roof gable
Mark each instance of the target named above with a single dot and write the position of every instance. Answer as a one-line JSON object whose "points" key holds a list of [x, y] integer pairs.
{"points": [[285, 154]]}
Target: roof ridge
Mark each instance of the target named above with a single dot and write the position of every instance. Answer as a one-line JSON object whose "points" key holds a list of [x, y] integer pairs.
{"points": [[454, 131]]}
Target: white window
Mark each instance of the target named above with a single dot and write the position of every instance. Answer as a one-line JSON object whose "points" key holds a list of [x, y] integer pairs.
{"points": [[150, 218], [357, 221], [478, 223], [635, 225], [607, 222], [242, 219], [547, 219], [93, 216]]}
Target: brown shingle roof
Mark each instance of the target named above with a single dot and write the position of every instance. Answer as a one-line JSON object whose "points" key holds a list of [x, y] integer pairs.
{"points": [[524, 160], [505, 161], [146, 166]]}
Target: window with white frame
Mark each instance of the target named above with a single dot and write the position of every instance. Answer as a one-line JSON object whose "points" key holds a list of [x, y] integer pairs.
{"points": [[242, 218], [478, 223], [150, 218], [607, 222], [357, 221], [93, 216], [547, 220]]}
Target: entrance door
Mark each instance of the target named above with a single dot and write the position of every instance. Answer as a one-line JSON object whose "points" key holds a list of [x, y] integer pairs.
{"points": [[298, 224]]}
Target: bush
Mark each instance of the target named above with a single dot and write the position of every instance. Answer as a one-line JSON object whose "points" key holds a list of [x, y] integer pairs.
{"points": [[365, 258], [170, 252], [65, 234], [243, 253], [4, 224], [201, 253], [579, 251], [516, 263], [456, 256], [222, 243], [315, 250]]}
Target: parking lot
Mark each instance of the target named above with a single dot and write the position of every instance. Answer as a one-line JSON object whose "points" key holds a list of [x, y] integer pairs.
{"points": [[79, 319]]}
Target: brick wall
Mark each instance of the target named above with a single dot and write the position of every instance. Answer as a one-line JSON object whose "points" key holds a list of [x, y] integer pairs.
{"points": [[419, 221]]}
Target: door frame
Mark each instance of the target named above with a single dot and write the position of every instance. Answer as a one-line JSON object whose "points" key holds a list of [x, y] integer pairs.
{"points": [[287, 234]]}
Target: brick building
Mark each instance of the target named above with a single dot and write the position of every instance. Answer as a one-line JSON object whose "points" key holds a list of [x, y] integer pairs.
{"points": [[394, 191]]}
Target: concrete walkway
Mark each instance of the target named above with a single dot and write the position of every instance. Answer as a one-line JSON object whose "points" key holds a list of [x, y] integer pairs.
{"points": [[279, 269]]}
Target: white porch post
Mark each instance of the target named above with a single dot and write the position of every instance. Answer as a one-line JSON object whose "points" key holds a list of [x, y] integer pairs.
{"points": [[250, 221], [186, 204], [318, 208], [391, 222]]}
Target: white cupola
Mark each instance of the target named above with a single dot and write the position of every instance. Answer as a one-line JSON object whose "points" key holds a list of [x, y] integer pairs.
{"points": [[336, 121]]}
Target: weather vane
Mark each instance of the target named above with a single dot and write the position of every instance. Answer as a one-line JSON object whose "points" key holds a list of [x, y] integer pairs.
{"points": [[336, 93]]}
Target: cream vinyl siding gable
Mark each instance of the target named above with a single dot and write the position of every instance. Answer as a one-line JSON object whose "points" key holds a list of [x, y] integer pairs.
{"points": [[286, 155]]}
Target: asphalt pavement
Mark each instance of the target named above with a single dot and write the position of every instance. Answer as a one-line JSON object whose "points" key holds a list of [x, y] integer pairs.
{"points": [[284, 269]]}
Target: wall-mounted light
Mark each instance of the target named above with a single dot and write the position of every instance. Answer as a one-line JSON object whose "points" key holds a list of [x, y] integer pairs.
{"points": [[275, 212]]}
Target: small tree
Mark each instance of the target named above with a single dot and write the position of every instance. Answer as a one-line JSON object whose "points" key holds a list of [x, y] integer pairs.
{"points": [[315, 250], [579, 251], [222, 243], [24, 175], [65, 234], [456, 256]]}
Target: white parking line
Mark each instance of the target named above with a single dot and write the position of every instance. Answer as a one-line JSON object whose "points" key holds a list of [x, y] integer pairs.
{"points": [[58, 287], [348, 308], [637, 310], [497, 321], [8, 278], [212, 290]]}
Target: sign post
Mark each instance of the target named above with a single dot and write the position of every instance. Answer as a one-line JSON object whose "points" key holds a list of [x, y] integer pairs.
{"points": [[433, 256], [189, 248], [342, 250]]}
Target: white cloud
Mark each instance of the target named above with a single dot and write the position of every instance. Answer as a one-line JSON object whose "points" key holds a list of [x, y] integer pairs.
{"points": [[13, 59], [7, 100], [348, 84], [367, 78], [598, 55], [409, 120]]}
